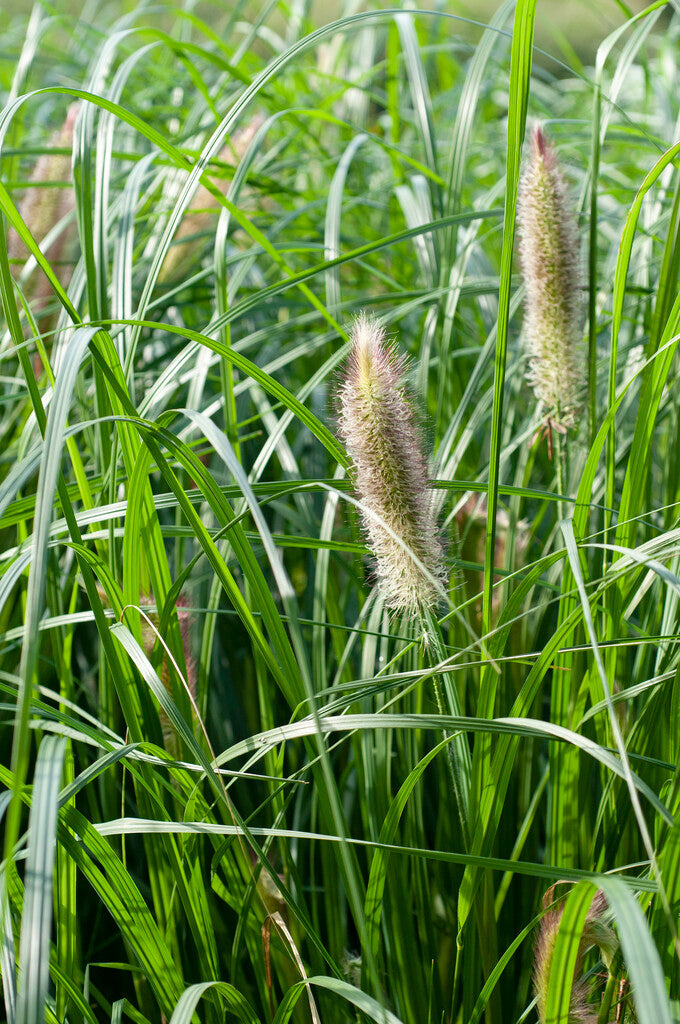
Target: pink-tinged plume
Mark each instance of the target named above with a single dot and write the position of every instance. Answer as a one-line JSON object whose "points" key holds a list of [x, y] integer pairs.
{"points": [[596, 932], [549, 257], [378, 427]]}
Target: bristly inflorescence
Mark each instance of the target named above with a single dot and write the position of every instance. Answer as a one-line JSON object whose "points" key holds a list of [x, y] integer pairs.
{"points": [[596, 932], [378, 426], [45, 204], [549, 256]]}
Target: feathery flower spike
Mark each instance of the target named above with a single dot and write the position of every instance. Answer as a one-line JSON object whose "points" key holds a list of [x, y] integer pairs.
{"points": [[549, 257], [596, 932], [42, 207], [377, 425]]}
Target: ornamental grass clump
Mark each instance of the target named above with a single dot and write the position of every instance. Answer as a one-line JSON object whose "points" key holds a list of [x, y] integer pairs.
{"points": [[378, 426], [549, 257]]}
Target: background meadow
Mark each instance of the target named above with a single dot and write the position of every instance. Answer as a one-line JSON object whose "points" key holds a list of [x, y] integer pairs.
{"points": [[226, 775]]}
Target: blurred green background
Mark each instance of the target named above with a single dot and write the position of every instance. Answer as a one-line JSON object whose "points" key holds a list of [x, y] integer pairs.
{"points": [[564, 27]]}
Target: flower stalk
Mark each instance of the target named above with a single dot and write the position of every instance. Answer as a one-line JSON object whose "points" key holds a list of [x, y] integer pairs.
{"points": [[378, 426]]}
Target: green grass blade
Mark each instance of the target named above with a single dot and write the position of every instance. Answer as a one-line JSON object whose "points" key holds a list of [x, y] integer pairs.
{"points": [[561, 981], [47, 485], [36, 924], [231, 997], [520, 75]]}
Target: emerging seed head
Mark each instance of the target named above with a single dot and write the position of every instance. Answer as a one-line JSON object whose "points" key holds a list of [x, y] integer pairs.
{"points": [[377, 424], [596, 932], [149, 635], [549, 257]]}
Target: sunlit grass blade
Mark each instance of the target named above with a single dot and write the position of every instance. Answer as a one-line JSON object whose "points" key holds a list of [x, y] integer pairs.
{"points": [[229, 996], [47, 485]]}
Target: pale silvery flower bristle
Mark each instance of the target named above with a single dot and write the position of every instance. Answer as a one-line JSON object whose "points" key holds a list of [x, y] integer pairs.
{"points": [[549, 257], [377, 424]]}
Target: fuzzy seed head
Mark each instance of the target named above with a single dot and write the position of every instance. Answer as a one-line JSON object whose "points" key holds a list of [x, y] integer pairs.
{"points": [[201, 216], [596, 932], [43, 206], [378, 427], [549, 257]]}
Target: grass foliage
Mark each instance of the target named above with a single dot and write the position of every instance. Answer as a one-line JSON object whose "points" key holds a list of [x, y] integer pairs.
{"points": [[226, 768]]}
